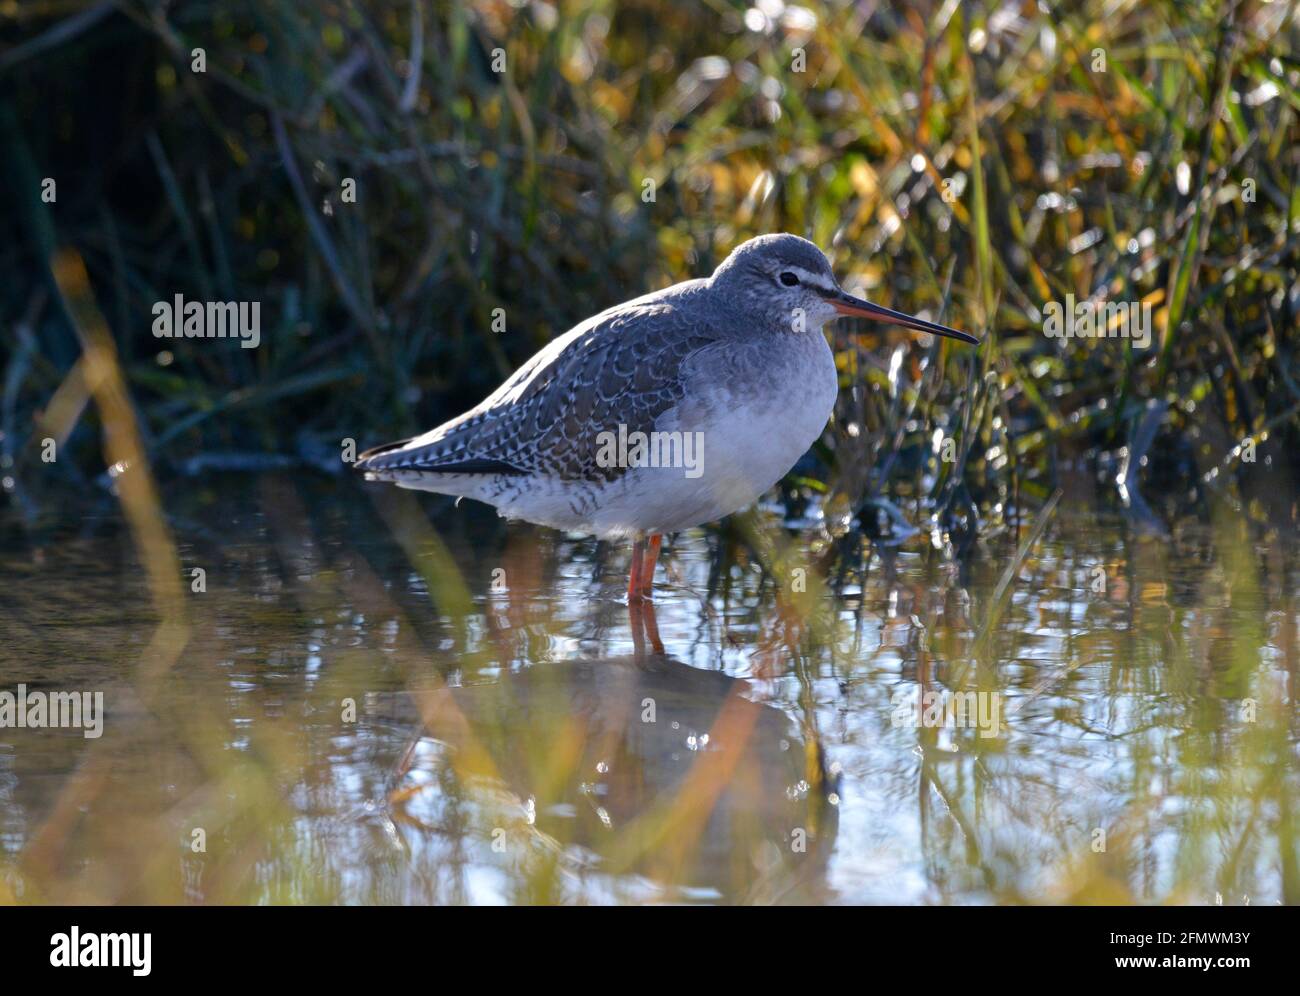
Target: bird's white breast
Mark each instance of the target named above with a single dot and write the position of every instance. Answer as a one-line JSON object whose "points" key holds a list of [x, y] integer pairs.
{"points": [[768, 406], [756, 409], [753, 409]]}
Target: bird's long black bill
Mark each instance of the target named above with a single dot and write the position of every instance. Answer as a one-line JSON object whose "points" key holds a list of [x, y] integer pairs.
{"points": [[847, 304]]}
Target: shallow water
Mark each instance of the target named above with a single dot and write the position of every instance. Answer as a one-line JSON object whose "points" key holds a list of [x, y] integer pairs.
{"points": [[1133, 735]]}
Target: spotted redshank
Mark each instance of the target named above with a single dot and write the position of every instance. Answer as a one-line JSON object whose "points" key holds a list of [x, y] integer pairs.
{"points": [[669, 411]]}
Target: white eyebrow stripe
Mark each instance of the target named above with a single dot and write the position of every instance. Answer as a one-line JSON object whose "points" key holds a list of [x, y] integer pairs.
{"points": [[807, 277]]}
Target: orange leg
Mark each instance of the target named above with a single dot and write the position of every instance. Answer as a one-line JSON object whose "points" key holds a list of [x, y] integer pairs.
{"points": [[645, 628], [634, 593], [648, 566]]}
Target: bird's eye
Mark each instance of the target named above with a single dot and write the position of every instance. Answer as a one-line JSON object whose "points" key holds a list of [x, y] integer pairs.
{"points": [[789, 279]]}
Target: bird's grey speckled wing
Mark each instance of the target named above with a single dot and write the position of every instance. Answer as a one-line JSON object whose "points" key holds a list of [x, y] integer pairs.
{"points": [[621, 367]]}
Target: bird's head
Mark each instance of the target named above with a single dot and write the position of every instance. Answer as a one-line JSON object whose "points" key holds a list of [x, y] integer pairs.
{"points": [[788, 281]]}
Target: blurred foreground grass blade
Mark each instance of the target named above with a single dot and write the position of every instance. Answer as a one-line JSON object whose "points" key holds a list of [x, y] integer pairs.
{"points": [[127, 464], [979, 200], [429, 555]]}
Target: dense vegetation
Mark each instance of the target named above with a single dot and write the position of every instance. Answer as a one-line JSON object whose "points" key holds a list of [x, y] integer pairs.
{"points": [[974, 160]]}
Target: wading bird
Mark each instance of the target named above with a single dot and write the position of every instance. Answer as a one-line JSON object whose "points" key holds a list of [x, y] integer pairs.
{"points": [[669, 411]]}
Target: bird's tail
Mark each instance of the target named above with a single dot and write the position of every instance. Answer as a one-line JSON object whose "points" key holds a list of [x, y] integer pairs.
{"points": [[408, 464]]}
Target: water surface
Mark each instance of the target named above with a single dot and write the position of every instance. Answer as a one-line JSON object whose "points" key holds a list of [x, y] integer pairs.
{"points": [[379, 698]]}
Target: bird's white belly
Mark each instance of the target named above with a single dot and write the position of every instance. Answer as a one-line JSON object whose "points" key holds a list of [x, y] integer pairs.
{"points": [[752, 414]]}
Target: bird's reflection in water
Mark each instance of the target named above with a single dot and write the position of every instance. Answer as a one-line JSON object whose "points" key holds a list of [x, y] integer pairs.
{"points": [[640, 767]]}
